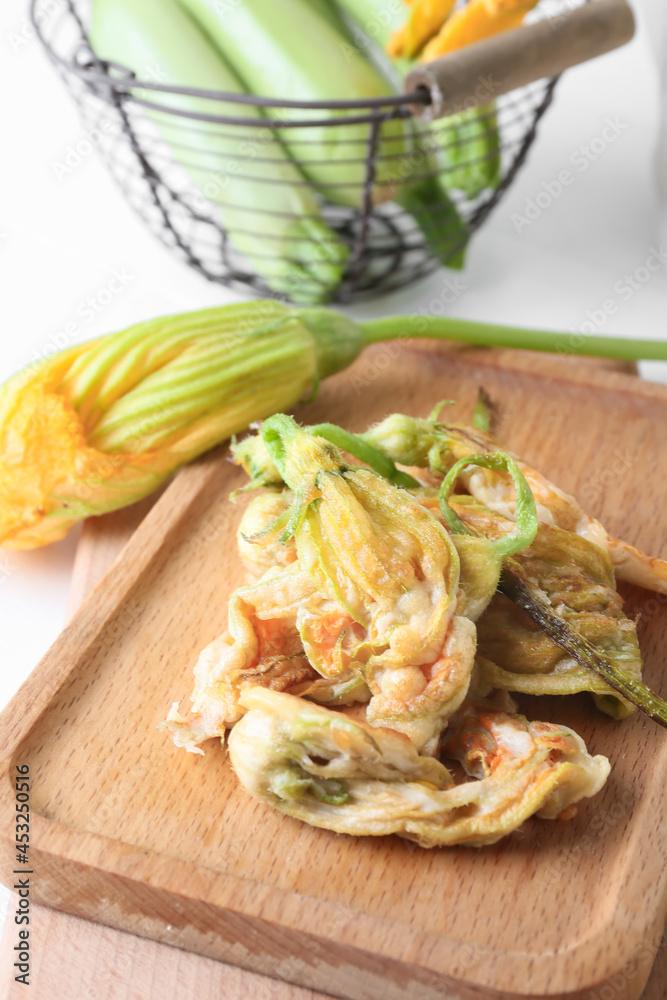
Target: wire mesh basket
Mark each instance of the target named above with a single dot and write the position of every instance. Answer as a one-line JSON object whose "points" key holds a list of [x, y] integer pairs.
{"points": [[182, 171]]}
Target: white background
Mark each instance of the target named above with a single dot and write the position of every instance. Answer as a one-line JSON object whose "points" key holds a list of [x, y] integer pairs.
{"points": [[62, 239]]}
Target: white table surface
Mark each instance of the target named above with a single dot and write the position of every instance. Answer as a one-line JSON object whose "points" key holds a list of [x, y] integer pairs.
{"points": [[62, 239]]}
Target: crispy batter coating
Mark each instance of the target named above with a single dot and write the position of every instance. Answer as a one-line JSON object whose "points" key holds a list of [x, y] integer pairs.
{"points": [[378, 555], [436, 446], [321, 767], [363, 595], [576, 577], [365, 584], [258, 541], [262, 646]]}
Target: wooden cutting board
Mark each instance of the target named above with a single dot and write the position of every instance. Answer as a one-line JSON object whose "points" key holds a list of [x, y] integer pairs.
{"points": [[79, 959], [598, 928]]}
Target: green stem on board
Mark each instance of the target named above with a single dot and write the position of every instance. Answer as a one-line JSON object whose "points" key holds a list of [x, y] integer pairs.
{"points": [[495, 335]]}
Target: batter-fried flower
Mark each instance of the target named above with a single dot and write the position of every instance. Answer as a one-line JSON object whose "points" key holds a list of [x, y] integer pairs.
{"points": [[438, 446], [330, 771]]}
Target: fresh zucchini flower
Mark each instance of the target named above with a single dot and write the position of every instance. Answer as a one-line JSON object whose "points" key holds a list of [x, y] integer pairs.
{"points": [[104, 423], [437, 446], [324, 768]]}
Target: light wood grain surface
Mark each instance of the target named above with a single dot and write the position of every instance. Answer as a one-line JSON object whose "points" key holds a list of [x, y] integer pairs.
{"points": [[77, 960], [149, 956]]}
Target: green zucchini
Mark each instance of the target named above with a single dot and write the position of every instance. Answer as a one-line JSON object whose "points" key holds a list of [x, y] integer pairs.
{"points": [[288, 50], [271, 216]]}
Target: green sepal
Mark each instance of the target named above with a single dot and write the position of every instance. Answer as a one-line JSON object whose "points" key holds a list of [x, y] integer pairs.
{"points": [[365, 452]]}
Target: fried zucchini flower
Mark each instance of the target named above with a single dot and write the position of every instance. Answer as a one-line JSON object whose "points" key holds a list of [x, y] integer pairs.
{"points": [[386, 599], [324, 768], [438, 447], [261, 646], [106, 422], [393, 573], [259, 547], [576, 578], [480, 558], [591, 629], [365, 592]]}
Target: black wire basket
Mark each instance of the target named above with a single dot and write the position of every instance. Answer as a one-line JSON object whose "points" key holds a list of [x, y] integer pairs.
{"points": [[161, 157]]}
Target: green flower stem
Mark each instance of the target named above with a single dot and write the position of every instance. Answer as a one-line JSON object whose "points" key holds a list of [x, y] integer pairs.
{"points": [[526, 512], [515, 586], [494, 335], [365, 452]]}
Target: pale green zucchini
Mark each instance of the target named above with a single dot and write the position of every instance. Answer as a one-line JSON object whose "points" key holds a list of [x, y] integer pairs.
{"points": [[288, 50], [272, 217], [425, 197]]}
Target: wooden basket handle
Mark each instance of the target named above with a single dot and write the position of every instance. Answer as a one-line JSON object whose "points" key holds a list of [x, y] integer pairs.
{"points": [[477, 73]]}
